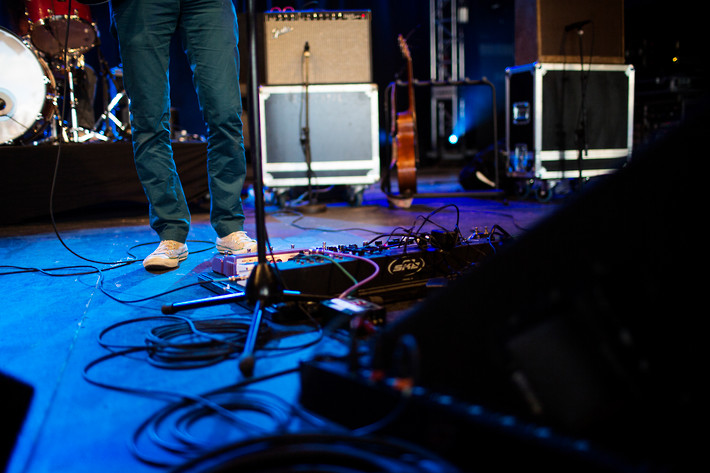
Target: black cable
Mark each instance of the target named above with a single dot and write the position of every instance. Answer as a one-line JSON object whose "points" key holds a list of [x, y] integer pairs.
{"points": [[147, 391], [93, 270], [300, 216], [411, 233], [181, 438], [180, 400], [318, 452], [50, 271], [65, 61], [184, 343], [171, 429], [427, 218]]}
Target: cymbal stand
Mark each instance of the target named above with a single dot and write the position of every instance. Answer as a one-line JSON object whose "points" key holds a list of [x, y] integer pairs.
{"points": [[74, 128], [108, 112]]}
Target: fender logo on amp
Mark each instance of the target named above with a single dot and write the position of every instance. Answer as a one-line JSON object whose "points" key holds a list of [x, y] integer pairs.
{"points": [[276, 32]]}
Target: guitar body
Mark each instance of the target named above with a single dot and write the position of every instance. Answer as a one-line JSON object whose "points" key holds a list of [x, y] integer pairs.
{"points": [[406, 158]]}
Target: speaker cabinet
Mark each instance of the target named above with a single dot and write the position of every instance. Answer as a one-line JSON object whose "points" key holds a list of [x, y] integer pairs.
{"points": [[343, 123], [545, 31], [544, 105], [338, 43]]}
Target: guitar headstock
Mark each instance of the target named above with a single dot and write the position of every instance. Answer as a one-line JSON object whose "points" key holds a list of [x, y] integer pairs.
{"points": [[404, 48]]}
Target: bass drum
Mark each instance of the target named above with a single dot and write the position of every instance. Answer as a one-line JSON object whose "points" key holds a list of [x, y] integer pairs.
{"points": [[49, 20], [27, 91]]}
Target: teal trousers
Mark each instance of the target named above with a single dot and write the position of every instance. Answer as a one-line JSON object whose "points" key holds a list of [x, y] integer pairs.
{"points": [[208, 34]]}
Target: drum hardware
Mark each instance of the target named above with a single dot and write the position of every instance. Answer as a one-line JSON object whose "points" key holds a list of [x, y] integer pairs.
{"points": [[108, 115], [28, 91], [69, 83], [71, 131], [42, 70], [62, 36], [55, 30]]}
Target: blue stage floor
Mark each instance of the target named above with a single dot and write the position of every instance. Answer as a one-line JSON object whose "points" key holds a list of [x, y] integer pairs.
{"points": [[60, 308], [116, 389]]}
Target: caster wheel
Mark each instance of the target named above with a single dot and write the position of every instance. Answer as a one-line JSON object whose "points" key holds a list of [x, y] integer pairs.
{"points": [[522, 189], [543, 193], [356, 199], [282, 199], [355, 196]]}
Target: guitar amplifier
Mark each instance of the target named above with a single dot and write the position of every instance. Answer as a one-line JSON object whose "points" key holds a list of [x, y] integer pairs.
{"points": [[339, 47], [343, 130]]}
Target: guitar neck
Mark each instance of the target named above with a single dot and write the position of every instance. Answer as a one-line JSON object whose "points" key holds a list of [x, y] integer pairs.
{"points": [[410, 86], [410, 71]]}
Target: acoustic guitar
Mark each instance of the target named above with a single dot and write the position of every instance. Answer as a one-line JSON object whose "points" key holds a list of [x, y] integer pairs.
{"points": [[405, 150]]}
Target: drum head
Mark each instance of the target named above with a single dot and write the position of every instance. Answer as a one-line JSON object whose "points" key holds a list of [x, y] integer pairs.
{"points": [[55, 28], [23, 87], [48, 35]]}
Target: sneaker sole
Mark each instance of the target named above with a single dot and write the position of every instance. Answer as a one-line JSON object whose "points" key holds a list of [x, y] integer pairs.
{"points": [[228, 251], [163, 263]]}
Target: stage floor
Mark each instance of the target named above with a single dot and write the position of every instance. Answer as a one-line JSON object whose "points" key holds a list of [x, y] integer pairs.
{"points": [[53, 320], [81, 316]]}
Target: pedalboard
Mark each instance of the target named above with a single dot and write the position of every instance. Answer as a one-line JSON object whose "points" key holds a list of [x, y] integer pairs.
{"points": [[399, 270]]}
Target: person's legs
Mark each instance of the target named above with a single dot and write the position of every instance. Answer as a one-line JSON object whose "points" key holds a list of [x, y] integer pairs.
{"points": [[144, 29], [208, 30]]}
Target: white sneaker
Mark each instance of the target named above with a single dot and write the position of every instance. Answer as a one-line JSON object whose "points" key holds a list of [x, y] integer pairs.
{"points": [[167, 256], [236, 243]]}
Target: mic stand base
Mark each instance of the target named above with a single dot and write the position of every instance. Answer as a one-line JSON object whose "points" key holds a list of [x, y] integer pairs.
{"points": [[263, 289]]}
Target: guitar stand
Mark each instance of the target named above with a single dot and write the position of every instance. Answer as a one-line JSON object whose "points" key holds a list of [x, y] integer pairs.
{"points": [[401, 200]]}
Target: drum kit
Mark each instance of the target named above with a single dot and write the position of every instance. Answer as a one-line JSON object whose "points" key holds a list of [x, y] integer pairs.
{"points": [[38, 70]]}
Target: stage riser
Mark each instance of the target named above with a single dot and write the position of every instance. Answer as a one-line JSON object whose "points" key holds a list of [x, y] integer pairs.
{"points": [[89, 175]]}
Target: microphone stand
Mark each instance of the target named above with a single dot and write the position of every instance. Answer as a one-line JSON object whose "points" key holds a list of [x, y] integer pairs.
{"points": [[582, 146], [312, 206], [264, 287]]}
